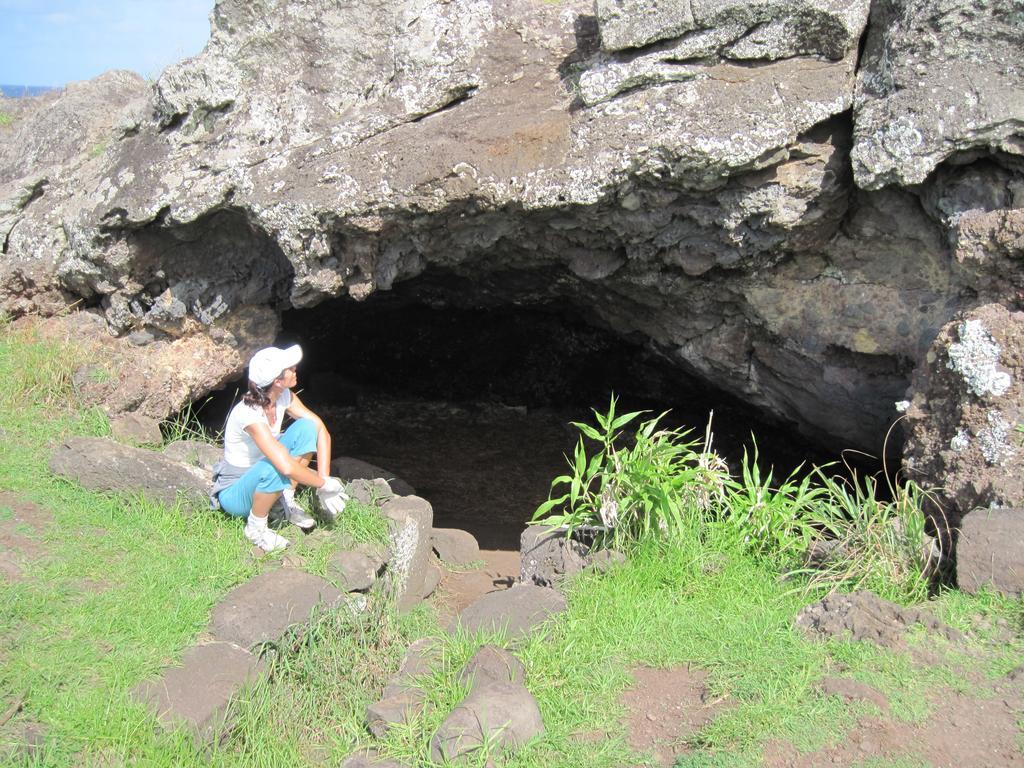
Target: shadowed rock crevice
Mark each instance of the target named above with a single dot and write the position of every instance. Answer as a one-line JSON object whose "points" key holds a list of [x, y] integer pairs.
{"points": [[177, 278]]}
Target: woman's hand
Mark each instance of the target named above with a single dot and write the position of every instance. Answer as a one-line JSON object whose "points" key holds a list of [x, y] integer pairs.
{"points": [[332, 496]]}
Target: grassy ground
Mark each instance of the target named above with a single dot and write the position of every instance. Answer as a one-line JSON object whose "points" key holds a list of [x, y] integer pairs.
{"points": [[128, 585]]}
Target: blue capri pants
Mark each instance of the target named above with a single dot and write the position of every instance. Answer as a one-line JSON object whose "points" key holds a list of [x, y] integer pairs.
{"points": [[263, 477]]}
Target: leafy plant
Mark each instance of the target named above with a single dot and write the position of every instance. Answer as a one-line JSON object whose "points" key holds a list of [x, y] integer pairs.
{"points": [[5, 119], [650, 487], [772, 520]]}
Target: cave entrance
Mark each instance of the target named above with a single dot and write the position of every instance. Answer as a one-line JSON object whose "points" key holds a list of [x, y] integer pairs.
{"points": [[469, 398]]}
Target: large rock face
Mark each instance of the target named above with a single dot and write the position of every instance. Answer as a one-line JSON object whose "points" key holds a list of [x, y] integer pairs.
{"points": [[714, 177], [938, 77], [968, 400]]}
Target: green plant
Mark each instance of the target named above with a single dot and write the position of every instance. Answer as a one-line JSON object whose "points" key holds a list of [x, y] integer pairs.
{"points": [[185, 425], [5, 119], [650, 487], [773, 521], [881, 545]]}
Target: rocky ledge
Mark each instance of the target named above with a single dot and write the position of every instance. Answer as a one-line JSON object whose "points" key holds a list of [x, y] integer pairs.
{"points": [[787, 199]]}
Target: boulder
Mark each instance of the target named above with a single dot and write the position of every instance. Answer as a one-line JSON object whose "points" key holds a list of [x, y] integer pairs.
{"points": [[354, 571], [502, 715], [420, 657], [68, 126], [411, 521], [136, 429], [990, 551], [935, 79], [547, 555], [197, 693], [399, 709], [403, 699], [349, 470], [263, 608], [455, 546], [377, 554], [194, 453], [966, 399], [103, 465], [515, 611], [605, 559], [735, 30], [490, 665]]}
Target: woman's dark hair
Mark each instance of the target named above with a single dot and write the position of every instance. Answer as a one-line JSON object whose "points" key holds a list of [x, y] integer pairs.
{"points": [[256, 397]]}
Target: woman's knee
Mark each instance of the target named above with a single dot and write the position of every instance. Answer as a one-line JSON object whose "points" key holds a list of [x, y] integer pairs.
{"points": [[300, 437]]}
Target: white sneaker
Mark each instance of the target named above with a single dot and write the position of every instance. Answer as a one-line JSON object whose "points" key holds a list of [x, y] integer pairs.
{"points": [[264, 538], [296, 515]]}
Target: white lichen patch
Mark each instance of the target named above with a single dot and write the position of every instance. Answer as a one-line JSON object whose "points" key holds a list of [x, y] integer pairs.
{"points": [[961, 440], [902, 406], [975, 358], [403, 547], [993, 440]]}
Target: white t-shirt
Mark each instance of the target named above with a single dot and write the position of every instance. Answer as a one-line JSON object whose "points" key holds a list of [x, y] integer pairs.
{"points": [[239, 447]]}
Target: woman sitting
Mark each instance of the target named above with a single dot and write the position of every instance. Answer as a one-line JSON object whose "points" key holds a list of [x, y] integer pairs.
{"points": [[262, 466]]}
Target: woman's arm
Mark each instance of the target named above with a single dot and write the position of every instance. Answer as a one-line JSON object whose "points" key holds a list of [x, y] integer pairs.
{"points": [[283, 461], [298, 410]]}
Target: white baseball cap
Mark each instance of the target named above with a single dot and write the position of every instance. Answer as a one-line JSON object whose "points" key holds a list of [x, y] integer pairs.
{"points": [[267, 364]]}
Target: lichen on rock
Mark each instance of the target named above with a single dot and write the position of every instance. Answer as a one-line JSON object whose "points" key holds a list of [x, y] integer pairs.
{"points": [[976, 357]]}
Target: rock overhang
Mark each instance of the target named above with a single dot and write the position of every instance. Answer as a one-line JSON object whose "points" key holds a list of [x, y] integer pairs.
{"points": [[711, 211]]}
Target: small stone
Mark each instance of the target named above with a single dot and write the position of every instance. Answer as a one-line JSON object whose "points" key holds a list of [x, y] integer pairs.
{"points": [[489, 665], [354, 571], [455, 546]]}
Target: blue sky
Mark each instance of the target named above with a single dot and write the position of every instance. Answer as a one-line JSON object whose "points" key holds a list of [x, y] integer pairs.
{"points": [[52, 42]]}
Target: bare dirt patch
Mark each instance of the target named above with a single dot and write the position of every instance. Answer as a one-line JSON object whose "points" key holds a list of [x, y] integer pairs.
{"points": [[665, 707], [462, 588], [22, 525], [979, 728]]}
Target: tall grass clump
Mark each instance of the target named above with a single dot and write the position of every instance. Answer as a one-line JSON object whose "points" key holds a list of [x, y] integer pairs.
{"points": [[875, 544], [659, 483]]}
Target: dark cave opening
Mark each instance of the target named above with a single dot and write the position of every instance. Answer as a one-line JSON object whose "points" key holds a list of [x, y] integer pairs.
{"points": [[468, 397]]}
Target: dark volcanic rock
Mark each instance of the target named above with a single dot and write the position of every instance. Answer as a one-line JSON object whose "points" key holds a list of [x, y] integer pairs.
{"points": [[516, 611], [502, 714], [990, 551], [455, 546], [937, 77], [103, 465], [349, 469], [263, 608], [196, 694], [865, 616], [967, 399], [411, 521], [684, 174], [491, 665]]}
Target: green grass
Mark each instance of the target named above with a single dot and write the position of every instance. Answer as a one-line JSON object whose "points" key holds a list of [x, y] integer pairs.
{"points": [[128, 585], [125, 587], [5, 119]]}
